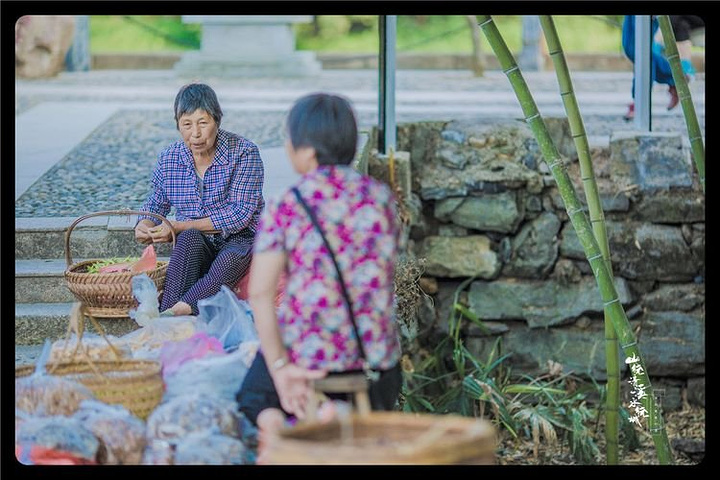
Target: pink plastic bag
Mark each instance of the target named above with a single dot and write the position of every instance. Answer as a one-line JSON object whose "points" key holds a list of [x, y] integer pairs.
{"points": [[174, 354]]}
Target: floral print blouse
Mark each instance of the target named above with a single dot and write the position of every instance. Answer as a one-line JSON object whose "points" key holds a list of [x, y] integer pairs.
{"points": [[358, 215]]}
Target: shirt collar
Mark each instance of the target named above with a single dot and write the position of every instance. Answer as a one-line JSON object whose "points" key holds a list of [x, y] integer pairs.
{"points": [[221, 149]]}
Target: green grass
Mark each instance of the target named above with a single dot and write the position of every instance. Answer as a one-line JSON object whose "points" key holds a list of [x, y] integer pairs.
{"points": [[417, 34], [142, 33]]}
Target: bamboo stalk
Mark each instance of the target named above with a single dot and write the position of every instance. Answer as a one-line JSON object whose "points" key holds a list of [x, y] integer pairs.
{"points": [[693, 127], [574, 209], [597, 220]]}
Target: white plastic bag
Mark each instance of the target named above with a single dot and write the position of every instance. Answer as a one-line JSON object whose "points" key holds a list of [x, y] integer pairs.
{"points": [[216, 375], [147, 341], [228, 318], [145, 292]]}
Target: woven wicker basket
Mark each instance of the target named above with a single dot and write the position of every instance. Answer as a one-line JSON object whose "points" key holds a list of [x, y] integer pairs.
{"points": [[385, 438], [108, 295], [136, 384]]}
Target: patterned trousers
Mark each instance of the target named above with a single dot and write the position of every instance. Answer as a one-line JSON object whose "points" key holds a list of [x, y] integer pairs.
{"points": [[200, 264]]}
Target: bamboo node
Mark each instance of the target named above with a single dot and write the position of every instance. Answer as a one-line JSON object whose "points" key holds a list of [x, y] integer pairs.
{"points": [[555, 163], [486, 22], [573, 211]]}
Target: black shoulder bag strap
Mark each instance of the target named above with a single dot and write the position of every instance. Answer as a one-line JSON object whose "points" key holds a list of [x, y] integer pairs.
{"points": [[371, 374]]}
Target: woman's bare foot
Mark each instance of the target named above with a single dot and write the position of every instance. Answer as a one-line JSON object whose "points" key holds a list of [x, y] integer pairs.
{"points": [[181, 308], [271, 420]]}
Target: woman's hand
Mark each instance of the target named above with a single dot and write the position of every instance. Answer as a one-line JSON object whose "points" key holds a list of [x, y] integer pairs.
{"points": [[294, 387], [142, 232], [161, 233], [147, 232]]}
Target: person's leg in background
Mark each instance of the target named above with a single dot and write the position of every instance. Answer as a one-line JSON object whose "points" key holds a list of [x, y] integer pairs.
{"points": [[659, 65], [682, 26], [628, 45]]}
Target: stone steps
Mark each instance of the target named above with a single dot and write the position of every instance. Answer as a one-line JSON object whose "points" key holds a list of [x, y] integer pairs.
{"points": [[42, 299], [41, 281], [94, 238], [35, 322]]}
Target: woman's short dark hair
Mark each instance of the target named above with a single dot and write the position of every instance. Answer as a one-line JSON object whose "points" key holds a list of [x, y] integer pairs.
{"points": [[195, 96], [325, 122]]}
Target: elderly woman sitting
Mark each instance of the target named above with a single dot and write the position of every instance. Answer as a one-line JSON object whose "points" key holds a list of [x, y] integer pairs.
{"points": [[213, 179]]}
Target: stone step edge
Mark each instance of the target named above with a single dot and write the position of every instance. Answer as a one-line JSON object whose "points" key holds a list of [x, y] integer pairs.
{"points": [[34, 322], [47, 267], [61, 223]]}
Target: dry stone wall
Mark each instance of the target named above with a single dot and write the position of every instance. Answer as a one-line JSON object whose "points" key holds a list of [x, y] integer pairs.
{"points": [[482, 203]]}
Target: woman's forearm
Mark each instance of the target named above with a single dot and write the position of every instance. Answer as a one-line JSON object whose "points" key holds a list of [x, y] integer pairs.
{"points": [[268, 332], [262, 289], [202, 224]]}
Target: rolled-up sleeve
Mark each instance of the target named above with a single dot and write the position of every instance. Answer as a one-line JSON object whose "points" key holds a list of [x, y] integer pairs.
{"points": [[244, 197]]}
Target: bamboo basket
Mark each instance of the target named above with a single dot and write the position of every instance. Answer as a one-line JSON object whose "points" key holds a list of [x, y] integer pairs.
{"points": [[135, 384], [382, 438], [108, 295]]}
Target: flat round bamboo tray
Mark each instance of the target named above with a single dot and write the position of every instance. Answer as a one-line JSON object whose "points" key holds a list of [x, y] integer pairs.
{"points": [[384, 438], [108, 295], [135, 384]]}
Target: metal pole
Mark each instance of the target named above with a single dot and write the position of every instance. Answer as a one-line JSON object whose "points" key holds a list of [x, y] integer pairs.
{"points": [[643, 75], [387, 128], [77, 58]]}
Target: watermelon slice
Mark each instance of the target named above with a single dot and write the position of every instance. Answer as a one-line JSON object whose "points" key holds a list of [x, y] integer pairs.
{"points": [[147, 261]]}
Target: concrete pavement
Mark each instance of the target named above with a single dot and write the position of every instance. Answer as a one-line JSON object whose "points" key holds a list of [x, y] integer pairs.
{"points": [[54, 115]]}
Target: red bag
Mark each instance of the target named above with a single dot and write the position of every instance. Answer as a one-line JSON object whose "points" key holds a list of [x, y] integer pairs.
{"points": [[147, 261], [49, 456], [241, 288]]}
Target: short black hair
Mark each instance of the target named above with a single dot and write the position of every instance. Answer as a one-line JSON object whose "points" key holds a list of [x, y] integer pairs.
{"points": [[325, 122], [194, 96]]}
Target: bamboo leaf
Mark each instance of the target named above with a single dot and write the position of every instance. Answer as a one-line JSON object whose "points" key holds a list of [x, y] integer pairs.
{"points": [[532, 389], [472, 317]]}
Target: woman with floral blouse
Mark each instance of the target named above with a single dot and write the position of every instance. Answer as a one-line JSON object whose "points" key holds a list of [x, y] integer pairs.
{"points": [[311, 334]]}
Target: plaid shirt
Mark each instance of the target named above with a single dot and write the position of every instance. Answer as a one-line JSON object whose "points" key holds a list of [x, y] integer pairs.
{"points": [[232, 187]]}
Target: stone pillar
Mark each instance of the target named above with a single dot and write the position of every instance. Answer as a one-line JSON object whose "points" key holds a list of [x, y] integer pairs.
{"points": [[530, 58], [78, 57], [41, 43], [650, 161], [247, 46]]}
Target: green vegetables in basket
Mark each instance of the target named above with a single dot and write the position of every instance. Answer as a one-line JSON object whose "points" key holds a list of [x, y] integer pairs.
{"points": [[96, 266]]}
